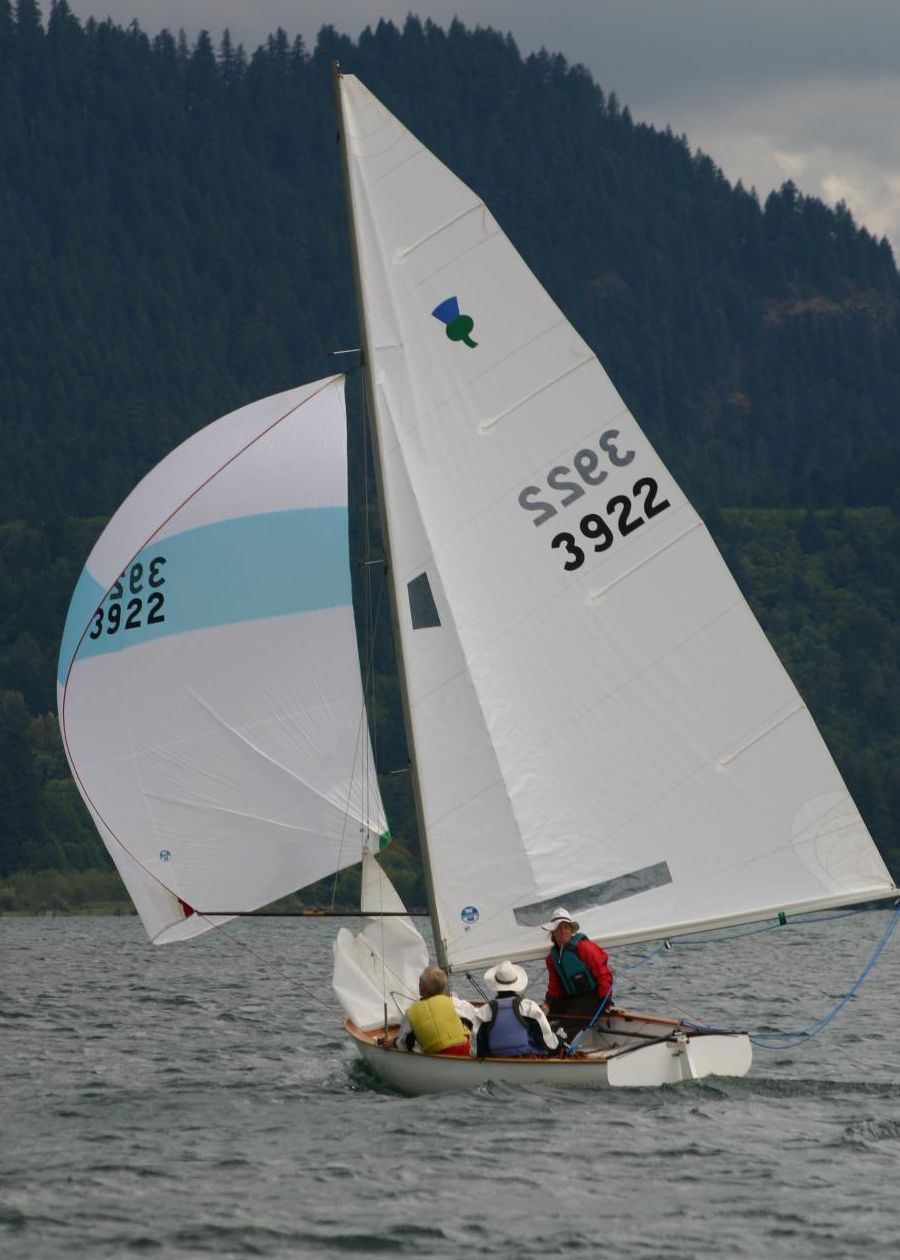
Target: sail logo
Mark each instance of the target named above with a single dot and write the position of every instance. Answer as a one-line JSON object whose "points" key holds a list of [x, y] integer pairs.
{"points": [[165, 855], [458, 326], [469, 914]]}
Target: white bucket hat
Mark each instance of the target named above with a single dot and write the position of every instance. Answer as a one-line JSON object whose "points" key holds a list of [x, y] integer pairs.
{"points": [[506, 976], [559, 915]]}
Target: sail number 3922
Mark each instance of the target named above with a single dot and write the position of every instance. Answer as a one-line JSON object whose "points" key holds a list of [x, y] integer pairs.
{"points": [[595, 530], [571, 482], [144, 605]]}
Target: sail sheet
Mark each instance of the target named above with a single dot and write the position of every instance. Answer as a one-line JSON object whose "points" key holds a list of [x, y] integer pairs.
{"points": [[598, 718], [209, 691]]}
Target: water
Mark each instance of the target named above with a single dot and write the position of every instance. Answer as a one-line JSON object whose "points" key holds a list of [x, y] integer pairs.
{"points": [[190, 1101]]}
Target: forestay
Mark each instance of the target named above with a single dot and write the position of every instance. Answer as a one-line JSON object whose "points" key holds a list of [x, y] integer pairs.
{"points": [[209, 691], [598, 719]]}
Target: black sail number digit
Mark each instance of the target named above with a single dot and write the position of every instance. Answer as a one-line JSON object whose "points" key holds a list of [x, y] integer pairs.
{"points": [[573, 551], [651, 506], [109, 616], [596, 528], [622, 504], [626, 517], [155, 613], [133, 621]]}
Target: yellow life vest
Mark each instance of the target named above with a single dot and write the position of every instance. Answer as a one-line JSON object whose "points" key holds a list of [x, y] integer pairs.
{"points": [[436, 1024]]}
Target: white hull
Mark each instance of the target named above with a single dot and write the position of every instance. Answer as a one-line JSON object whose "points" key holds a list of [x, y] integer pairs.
{"points": [[626, 1050]]}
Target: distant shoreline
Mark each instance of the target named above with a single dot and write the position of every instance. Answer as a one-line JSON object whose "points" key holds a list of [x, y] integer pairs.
{"points": [[112, 911]]}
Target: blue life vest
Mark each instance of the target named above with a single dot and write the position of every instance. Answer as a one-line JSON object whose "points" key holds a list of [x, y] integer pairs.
{"points": [[576, 977], [507, 1033]]}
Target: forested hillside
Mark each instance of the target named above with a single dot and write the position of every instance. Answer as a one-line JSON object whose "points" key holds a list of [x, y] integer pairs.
{"points": [[173, 244]]}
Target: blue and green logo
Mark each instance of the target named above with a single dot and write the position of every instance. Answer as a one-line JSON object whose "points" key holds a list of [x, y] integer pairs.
{"points": [[458, 326]]}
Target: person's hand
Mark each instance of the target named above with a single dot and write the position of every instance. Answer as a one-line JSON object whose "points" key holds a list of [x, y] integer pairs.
{"points": [[545, 1007]]}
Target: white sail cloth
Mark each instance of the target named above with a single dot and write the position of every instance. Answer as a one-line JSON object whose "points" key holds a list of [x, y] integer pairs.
{"points": [[598, 719], [376, 973], [209, 692]]}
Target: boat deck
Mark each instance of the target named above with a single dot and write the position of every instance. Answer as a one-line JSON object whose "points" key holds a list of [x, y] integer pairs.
{"points": [[615, 1033]]}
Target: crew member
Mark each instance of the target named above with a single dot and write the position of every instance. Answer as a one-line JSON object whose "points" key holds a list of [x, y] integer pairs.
{"points": [[578, 976], [512, 1026], [434, 1024]]}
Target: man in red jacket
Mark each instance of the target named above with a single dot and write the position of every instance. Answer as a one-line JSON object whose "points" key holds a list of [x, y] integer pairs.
{"points": [[578, 976]]}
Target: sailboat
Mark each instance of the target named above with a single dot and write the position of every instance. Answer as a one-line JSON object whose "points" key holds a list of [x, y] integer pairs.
{"points": [[594, 716]]}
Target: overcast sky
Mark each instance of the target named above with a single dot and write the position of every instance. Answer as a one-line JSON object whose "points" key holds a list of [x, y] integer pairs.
{"points": [[807, 90]]}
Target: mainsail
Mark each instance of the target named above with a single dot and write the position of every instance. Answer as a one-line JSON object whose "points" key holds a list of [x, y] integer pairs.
{"points": [[209, 691], [597, 717]]}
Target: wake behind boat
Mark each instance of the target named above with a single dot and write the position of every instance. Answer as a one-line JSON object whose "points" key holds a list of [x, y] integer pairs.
{"points": [[593, 713]]}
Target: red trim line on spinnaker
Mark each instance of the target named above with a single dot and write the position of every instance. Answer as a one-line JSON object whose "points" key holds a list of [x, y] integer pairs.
{"points": [[188, 910]]}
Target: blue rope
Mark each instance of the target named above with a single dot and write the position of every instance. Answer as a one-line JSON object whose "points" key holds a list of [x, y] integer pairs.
{"points": [[647, 957], [789, 1040], [697, 942], [573, 1045], [732, 934]]}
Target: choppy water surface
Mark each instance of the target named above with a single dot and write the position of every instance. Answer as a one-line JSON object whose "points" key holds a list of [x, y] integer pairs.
{"points": [[191, 1101]]}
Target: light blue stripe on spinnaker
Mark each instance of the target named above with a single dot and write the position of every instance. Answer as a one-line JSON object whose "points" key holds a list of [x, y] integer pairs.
{"points": [[245, 569], [87, 595]]}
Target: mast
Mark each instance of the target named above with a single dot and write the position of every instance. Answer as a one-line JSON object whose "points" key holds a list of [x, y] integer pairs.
{"points": [[440, 950]]}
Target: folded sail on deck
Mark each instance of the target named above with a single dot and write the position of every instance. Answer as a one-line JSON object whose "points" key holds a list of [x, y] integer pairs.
{"points": [[209, 691], [598, 718]]}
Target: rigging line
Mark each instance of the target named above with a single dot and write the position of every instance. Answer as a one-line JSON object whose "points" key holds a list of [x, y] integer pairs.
{"points": [[367, 688], [312, 913], [367, 582], [76, 774], [370, 623], [802, 1035], [373, 618], [664, 945], [699, 942], [197, 489], [687, 1015], [573, 1045], [276, 970], [360, 759], [358, 756], [476, 986], [789, 1040], [797, 920], [734, 934]]}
